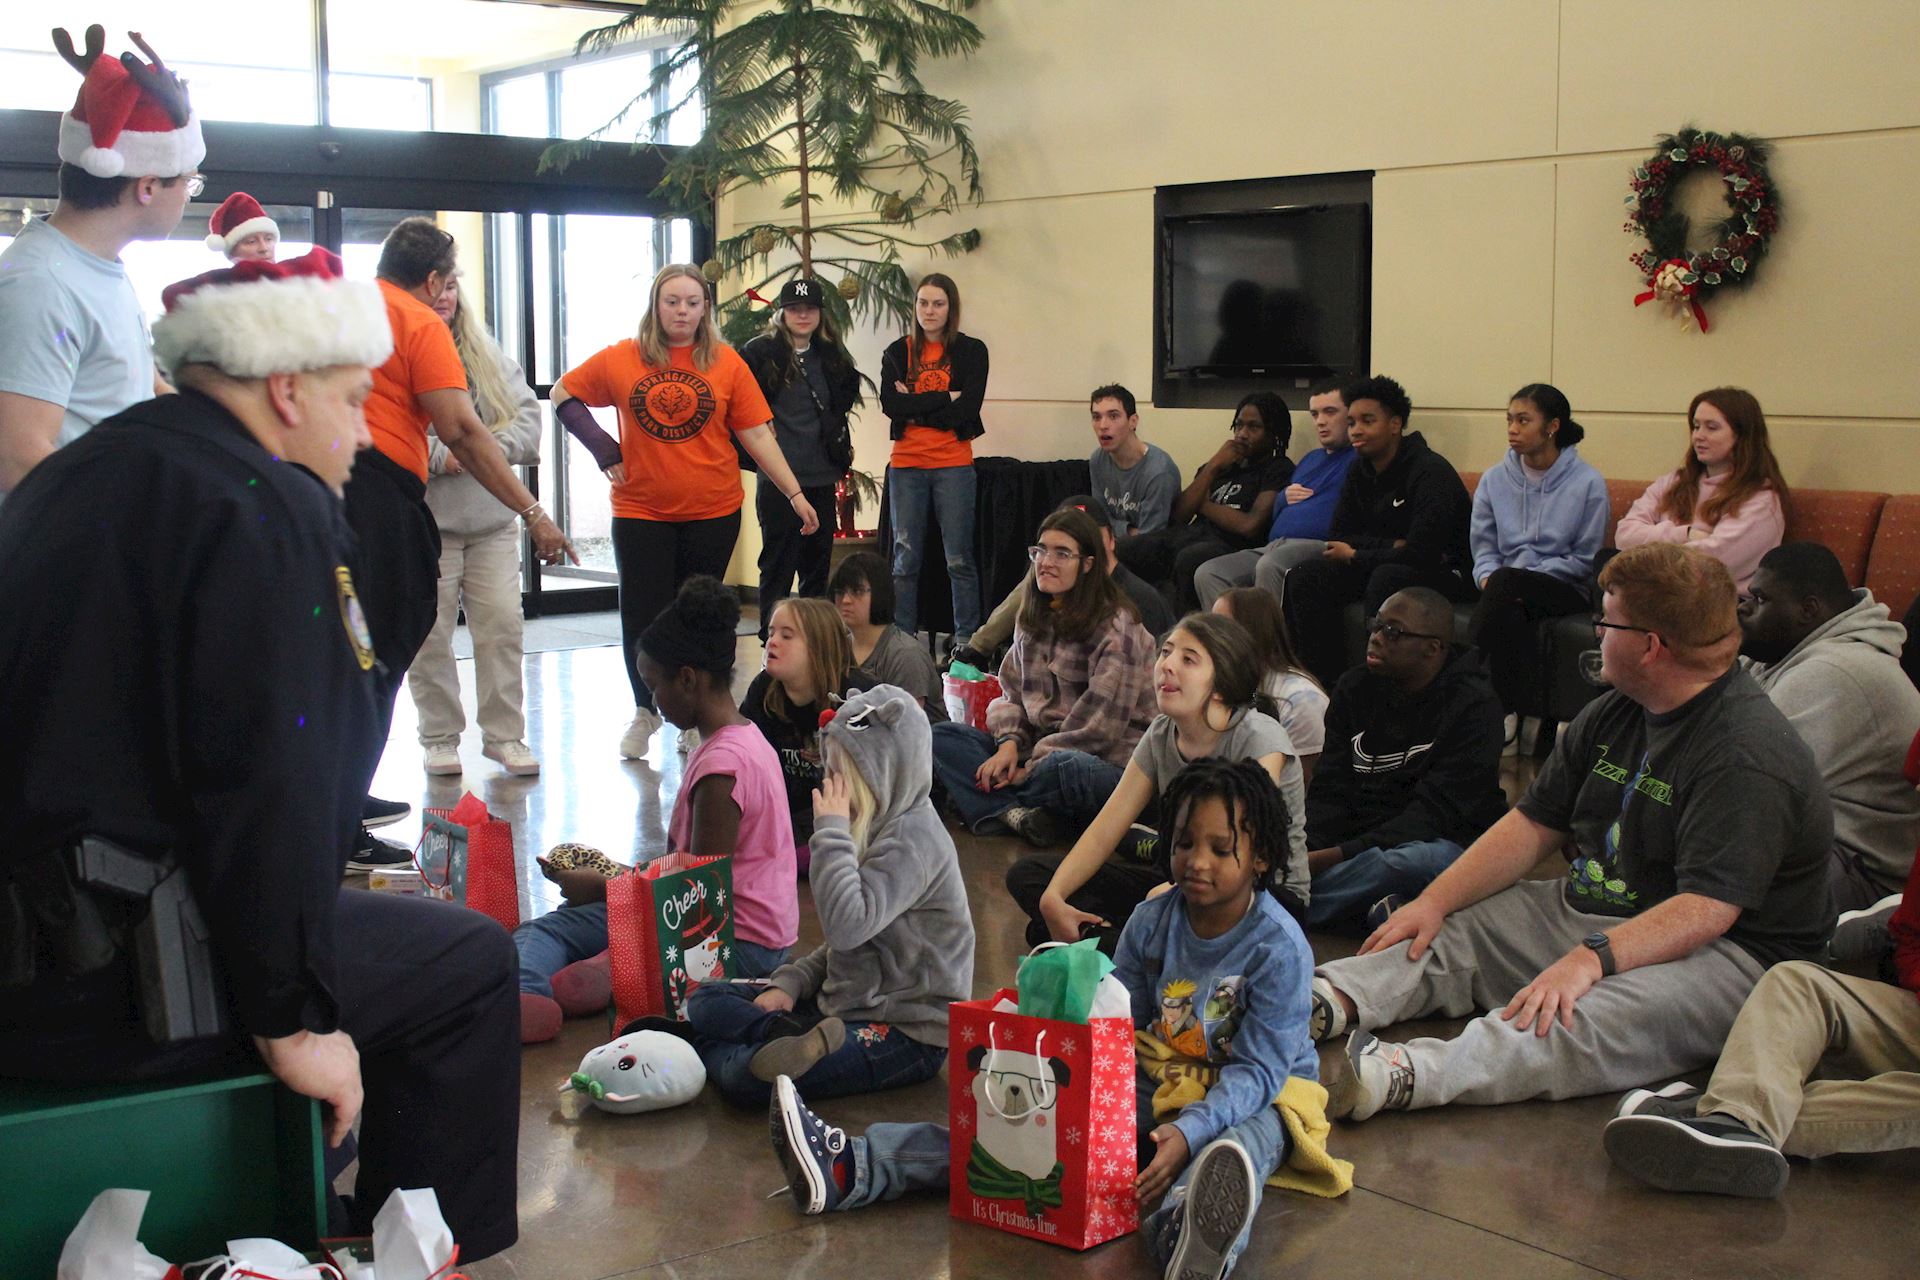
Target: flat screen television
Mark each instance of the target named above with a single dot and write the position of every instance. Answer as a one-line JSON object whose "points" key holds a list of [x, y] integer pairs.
{"points": [[1266, 292]]}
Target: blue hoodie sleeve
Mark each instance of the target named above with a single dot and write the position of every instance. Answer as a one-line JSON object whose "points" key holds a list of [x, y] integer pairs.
{"points": [[1485, 532], [1586, 539], [1268, 1042]]}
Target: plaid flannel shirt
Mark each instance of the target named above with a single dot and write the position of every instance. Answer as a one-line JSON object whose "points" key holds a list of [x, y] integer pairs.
{"points": [[1093, 695]]}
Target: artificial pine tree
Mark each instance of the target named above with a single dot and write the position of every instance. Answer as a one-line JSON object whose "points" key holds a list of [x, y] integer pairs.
{"points": [[816, 96]]}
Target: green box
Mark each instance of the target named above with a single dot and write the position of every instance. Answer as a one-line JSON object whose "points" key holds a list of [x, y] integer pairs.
{"points": [[225, 1158]]}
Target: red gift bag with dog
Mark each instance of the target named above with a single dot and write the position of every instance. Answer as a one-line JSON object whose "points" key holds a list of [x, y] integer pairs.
{"points": [[669, 928], [1043, 1124]]}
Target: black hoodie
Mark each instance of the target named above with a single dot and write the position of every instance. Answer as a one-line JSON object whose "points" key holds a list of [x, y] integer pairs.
{"points": [[1418, 497], [1399, 768]]}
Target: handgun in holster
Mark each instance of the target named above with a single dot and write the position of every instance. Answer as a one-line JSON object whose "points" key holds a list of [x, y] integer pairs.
{"points": [[75, 910]]}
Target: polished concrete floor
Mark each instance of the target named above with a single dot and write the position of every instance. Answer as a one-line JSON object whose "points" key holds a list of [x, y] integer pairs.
{"points": [[1516, 1191]]}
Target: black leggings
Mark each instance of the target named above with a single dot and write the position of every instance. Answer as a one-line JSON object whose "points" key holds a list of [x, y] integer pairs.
{"points": [[1506, 626], [654, 557], [785, 552], [1111, 893]]}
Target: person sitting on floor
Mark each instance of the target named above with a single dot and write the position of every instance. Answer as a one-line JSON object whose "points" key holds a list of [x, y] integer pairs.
{"points": [[1077, 693], [1300, 702], [1817, 1063], [1213, 1131], [862, 590], [1301, 513], [867, 1008], [997, 630], [1829, 658], [1699, 829], [1207, 687], [1136, 481], [1401, 522], [1411, 771], [1227, 507]]}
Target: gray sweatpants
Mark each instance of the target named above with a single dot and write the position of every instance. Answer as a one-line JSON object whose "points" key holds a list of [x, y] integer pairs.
{"points": [[1261, 567], [1636, 1027]]}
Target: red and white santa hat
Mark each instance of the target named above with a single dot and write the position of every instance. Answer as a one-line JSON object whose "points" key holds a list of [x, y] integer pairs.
{"points": [[238, 217], [131, 118], [258, 317]]}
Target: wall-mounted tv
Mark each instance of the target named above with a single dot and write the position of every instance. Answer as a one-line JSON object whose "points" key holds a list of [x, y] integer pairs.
{"points": [[1275, 292]]}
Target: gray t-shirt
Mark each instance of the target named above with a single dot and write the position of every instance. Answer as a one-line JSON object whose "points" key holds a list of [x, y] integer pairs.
{"points": [[797, 422], [899, 659], [1719, 797], [1249, 735], [1139, 499], [71, 330]]}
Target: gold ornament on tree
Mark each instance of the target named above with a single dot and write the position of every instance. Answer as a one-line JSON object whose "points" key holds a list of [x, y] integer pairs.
{"points": [[849, 288], [712, 270], [764, 240]]}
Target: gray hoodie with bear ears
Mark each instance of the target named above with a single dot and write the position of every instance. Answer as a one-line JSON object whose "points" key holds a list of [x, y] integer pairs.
{"points": [[899, 936]]}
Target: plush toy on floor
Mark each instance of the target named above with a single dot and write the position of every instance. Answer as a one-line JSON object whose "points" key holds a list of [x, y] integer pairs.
{"points": [[641, 1071]]}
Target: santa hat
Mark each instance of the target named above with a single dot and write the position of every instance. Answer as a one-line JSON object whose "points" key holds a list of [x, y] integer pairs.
{"points": [[257, 317], [131, 118], [238, 217]]}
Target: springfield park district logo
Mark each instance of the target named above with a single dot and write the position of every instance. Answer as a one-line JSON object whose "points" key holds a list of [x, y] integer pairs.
{"points": [[672, 404]]}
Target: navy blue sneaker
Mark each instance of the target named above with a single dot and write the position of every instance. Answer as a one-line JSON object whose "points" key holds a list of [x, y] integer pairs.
{"points": [[814, 1154], [1377, 913]]}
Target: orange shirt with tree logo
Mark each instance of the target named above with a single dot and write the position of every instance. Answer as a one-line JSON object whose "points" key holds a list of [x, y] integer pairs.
{"points": [[676, 427], [927, 447], [424, 359]]}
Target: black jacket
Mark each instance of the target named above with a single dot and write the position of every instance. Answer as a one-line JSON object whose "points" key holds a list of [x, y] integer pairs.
{"points": [[966, 372], [1419, 498], [1397, 769], [768, 360]]}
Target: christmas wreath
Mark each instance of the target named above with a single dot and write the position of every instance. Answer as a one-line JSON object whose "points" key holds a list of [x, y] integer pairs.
{"points": [[1672, 273]]}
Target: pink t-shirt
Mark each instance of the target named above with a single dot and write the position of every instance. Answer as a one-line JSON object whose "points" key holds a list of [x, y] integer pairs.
{"points": [[766, 904]]}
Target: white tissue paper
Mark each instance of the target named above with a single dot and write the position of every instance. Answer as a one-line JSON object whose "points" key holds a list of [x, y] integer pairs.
{"points": [[273, 1261], [1006, 1004], [105, 1243], [410, 1238], [1111, 1000]]}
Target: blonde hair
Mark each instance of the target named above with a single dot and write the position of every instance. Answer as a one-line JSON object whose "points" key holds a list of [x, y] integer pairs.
{"points": [[829, 650], [653, 343], [485, 363], [860, 801]]}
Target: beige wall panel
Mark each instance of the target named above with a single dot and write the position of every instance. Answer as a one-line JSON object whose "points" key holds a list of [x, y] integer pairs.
{"points": [[1825, 331], [1774, 68], [1463, 280]]}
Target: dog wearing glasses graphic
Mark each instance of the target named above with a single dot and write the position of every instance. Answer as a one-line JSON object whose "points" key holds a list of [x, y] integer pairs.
{"points": [[1015, 1153]]}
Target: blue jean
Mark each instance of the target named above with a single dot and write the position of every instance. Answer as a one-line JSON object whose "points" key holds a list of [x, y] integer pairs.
{"points": [[949, 493], [549, 943], [729, 1028], [1343, 892], [1071, 784]]}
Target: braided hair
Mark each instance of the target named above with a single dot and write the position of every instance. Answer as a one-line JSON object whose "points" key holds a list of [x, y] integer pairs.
{"points": [[1252, 802]]}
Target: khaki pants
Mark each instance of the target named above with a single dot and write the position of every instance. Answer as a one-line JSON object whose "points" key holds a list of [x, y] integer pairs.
{"points": [[482, 572], [1819, 1063]]}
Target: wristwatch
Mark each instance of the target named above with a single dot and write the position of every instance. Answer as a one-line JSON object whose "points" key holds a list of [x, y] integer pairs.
{"points": [[1602, 947]]}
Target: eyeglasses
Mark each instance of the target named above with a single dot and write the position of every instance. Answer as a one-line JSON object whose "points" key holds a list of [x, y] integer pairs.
{"points": [[1601, 624], [1059, 555], [195, 185], [1394, 631]]}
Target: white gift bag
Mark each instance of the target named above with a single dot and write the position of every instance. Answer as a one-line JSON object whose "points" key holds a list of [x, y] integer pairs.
{"points": [[411, 1240]]}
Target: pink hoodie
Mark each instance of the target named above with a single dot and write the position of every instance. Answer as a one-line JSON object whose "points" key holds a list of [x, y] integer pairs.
{"points": [[1738, 540]]}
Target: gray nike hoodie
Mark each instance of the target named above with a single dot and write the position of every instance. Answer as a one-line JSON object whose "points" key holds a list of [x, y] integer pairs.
{"points": [[1843, 690], [899, 937]]}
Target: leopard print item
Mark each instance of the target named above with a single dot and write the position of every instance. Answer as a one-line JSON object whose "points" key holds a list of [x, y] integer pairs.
{"points": [[582, 857]]}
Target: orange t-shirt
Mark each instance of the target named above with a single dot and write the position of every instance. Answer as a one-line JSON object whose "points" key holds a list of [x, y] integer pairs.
{"points": [[675, 426], [424, 359], [927, 447]]}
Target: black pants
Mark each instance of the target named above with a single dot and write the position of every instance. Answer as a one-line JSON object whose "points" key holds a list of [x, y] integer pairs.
{"points": [[654, 557], [1111, 893], [398, 572], [1506, 627], [429, 993], [1319, 591], [785, 552], [1168, 558]]}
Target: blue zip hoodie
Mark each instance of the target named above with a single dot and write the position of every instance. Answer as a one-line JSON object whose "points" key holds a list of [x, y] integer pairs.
{"points": [[1555, 527], [1323, 473]]}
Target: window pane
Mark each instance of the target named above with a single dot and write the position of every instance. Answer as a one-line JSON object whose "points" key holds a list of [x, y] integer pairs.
{"points": [[593, 93], [518, 107], [152, 265]]}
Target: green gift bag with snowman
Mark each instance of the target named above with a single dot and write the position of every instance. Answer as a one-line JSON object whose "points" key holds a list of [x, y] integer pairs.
{"points": [[669, 929]]}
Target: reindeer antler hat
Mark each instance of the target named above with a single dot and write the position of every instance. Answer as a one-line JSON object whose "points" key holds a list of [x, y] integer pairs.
{"points": [[131, 118]]}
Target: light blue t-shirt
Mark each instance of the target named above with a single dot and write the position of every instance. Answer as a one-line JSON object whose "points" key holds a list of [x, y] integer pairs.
{"points": [[1140, 500], [71, 330]]}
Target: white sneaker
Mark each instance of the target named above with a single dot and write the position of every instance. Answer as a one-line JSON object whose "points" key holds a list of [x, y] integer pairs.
{"points": [[442, 759], [1511, 744], [633, 743], [1371, 1076], [513, 756], [689, 739]]}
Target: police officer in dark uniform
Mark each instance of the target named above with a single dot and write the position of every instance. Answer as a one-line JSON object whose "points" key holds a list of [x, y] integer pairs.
{"points": [[187, 687]]}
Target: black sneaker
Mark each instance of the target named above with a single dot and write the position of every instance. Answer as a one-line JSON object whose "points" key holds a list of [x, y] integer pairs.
{"points": [[970, 656], [1140, 845], [654, 1022], [378, 813], [1714, 1154], [1377, 913], [1678, 1099], [375, 854], [1034, 825], [1863, 936]]}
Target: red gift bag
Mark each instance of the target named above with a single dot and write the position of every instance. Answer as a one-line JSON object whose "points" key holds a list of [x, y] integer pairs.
{"points": [[466, 856], [669, 928], [967, 699], [1043, 1124]]}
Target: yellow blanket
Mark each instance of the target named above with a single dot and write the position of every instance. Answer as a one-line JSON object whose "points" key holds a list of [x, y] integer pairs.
{"points": [[1302, 1103]]}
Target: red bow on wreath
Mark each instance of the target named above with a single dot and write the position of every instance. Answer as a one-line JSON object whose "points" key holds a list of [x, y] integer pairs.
{"points": [[1676, 281]]}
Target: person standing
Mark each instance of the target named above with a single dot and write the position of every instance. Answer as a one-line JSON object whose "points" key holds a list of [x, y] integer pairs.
{"points": [[811, 384], [479, 563], [932, 384], [684, 397], [74, 348]]}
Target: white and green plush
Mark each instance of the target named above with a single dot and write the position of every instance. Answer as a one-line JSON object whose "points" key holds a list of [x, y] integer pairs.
{"points": [[642, 1071]]}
